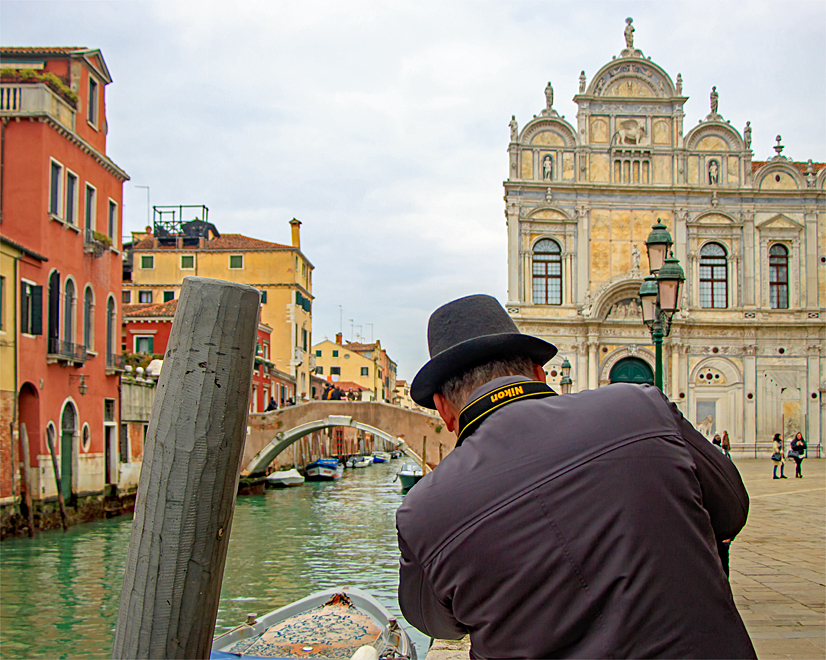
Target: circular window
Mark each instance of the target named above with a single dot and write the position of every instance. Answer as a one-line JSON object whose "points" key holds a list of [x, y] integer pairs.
{"points": [[85, 438], [781, 350], [553, 373], [777, 178]]}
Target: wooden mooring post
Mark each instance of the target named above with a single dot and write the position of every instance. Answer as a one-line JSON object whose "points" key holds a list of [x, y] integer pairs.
{"points": [[27, 478], [64, 519], [189, 479]]}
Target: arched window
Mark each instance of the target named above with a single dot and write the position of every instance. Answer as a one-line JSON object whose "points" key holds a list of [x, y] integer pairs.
{"points": [[110, 332], [713, 276], [88, 304], [69, 313], [778, 277], [547, 273]]}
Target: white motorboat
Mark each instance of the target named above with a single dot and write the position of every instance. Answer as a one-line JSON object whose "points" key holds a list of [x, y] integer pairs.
{"points": [[284, 479], [409, 475], [360, 462]]}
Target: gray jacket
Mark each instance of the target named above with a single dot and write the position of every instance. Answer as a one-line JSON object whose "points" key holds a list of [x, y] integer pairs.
{"points": [[582, 525]]}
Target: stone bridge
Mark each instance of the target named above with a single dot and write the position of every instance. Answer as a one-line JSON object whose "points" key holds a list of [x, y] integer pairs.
{"points": [[270, 433]]}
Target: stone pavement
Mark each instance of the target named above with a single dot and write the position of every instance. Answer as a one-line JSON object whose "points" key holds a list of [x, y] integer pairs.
{"points": [[778, 564]]}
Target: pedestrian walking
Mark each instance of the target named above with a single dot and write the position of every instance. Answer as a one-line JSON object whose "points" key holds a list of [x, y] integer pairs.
{"points": [[777, 456], [797, 452], [717, 441], [726, 444]]}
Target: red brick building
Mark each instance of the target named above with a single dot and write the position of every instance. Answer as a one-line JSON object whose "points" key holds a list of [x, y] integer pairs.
{"points": [[61, 200]]}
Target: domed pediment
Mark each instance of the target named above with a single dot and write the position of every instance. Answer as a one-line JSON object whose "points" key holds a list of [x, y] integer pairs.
{"points": [[632, 78], [554, 132]]}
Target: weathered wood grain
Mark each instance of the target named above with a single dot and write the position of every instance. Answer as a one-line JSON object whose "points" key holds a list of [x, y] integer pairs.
{"points": [[186, 495]]}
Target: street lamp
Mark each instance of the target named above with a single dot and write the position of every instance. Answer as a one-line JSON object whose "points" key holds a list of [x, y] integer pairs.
{"points": [[565, 382], [660, 292]]}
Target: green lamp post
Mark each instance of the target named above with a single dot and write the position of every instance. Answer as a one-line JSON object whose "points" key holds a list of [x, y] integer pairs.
{"points": [[565, 382], [660, 292]]}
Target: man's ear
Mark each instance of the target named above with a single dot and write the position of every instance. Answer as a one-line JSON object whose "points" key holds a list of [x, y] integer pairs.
{"points": [[539, 373], [447, 411]]}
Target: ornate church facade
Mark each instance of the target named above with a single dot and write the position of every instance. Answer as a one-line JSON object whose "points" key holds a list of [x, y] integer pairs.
{"points": [[747, 350]]}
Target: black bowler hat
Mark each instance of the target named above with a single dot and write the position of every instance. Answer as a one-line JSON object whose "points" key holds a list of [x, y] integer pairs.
{"points": [[468, 332]]}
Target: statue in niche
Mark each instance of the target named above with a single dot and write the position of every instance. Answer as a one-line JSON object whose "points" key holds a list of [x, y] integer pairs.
{"points": [[514, 128], [679, 84], [713, 97], [629, 33], [582, 82], [548, 167], [713, 173], [747, 135], [549, 97], [635, 259], [587, 305]]}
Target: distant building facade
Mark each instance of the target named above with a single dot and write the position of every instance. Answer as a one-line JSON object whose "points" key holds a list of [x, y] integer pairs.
{"points": [[160, 259], [61, 212], [747, 351], [365, 364]]}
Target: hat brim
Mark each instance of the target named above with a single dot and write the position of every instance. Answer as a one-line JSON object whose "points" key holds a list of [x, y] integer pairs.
{"points": [[473, 352]]}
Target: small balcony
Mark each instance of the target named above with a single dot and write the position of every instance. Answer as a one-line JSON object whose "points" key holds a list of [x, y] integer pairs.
{"points": [[66, 351], [115, 362], [95, 243], [25, 99]]}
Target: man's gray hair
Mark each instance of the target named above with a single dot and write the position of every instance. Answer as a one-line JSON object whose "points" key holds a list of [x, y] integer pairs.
{"points": [[458, 389]]}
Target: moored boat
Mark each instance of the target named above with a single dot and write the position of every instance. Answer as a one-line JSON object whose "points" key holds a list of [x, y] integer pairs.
{"points": [[409, 475], [334, 623], [381, 456], [284, 478], [359, 462], [324, 469]]}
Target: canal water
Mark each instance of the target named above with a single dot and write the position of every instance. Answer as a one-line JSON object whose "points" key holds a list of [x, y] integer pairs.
{"points": [[59, 592]]}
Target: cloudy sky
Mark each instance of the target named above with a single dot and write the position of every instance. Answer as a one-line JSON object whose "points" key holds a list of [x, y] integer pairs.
{"points": [[383, 126]]}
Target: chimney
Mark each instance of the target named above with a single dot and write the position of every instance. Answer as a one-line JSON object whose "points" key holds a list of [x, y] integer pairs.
{"points": [[295, 224], [338, 338], [148, 230]]}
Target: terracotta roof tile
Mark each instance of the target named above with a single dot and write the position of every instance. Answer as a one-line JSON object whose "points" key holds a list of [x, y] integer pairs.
{"points": [[357, 347], [150, 310], [223, 242], [41, 50]]}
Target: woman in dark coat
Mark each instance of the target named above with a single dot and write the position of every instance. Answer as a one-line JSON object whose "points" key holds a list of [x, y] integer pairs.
{"points": [[798, 453], [777, 456]]}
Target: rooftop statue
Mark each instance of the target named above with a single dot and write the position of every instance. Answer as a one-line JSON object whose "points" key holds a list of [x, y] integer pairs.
{"points": [[747, 135], [629, 34], [713, 98], [582, 82], [514, 128], [549, 97]]}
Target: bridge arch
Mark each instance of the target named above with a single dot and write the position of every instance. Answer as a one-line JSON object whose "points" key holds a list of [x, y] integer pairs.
{"points": [[282, 440], [268, 434]]}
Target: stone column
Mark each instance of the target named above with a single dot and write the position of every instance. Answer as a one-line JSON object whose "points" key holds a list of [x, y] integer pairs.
{"points": [[593, 363], [813, 387], [583, 277], [750, 387], [809, 260], [748, 259], [514, 263]]}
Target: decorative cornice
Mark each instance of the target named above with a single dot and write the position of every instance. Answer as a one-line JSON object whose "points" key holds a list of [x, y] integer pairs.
{"points": [[86, 148]]}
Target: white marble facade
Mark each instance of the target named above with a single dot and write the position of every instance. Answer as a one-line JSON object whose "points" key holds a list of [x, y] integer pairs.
{"points": [[745, 354]]}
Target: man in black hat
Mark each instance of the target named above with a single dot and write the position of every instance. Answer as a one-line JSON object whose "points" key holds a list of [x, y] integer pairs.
{"points": [[583, 525]]}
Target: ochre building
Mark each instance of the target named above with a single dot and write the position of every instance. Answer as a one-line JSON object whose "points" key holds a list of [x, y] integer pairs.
{"points": [[745, 352], [161, 258]]}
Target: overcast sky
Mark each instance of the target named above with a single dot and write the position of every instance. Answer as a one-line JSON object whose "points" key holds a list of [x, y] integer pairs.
{"points": [[383, 127]]}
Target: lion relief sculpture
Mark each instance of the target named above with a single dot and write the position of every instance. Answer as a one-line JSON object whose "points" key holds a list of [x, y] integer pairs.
{"points": [[631, 132]]}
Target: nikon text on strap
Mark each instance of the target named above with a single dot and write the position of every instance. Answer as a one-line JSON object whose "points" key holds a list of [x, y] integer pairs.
{"points": [[475, 412]]}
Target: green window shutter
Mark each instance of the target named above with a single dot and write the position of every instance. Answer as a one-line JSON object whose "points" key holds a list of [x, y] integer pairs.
{"points": [[168, 295], [24, 306], [37, 310], [151, 345], [306, 304], [263, 297]]}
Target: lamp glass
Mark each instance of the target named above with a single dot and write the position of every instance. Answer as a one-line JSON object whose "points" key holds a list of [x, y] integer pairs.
{"points": [[656, 255], [669, 294], [565, 368], [648, 298]]}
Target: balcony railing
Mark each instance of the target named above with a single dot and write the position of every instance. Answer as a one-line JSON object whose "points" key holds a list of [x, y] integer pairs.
{"points": [[115, 361], [66, 351], [94, 243], [32, 100]]}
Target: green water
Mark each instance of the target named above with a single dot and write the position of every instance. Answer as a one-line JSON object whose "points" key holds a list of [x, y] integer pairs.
{"points": [[60, 591]]}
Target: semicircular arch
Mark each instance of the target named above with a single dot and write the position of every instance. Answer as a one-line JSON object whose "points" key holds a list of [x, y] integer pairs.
{"points": [[621, 288], [636, 70], [725, 132], [723, 365], [556, 126], [622, 353], [284, 439]]}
